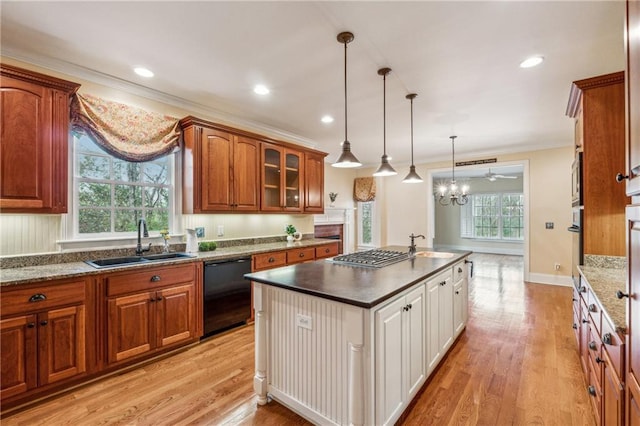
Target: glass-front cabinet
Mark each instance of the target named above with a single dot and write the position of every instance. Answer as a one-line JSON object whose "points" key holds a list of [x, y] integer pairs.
{"points": [[281, 179]]}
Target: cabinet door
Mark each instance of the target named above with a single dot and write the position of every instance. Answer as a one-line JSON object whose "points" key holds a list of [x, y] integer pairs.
{"points": [[416, 340], [390, 387], [216, 170], [18, 352], [633, 302], [433, 324], [458, 302], [632, 89], [313, 182], [246, 174], [445, 297], [271, 178], [26, 146], [175, 315], [61, 339], [612, 394], [130, 326], [633, 404], [293, 181]]}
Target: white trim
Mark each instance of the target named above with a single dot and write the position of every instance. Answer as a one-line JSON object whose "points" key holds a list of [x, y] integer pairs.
{"points": [[561, 280], [485, 249]]}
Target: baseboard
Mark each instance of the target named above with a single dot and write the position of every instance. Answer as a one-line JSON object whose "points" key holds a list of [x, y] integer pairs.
{"points": [[485, 249], [561, 280]]}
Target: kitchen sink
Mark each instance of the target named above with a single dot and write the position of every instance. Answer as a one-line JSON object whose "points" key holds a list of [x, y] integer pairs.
{"points": [[134, 260], [436, 254]]}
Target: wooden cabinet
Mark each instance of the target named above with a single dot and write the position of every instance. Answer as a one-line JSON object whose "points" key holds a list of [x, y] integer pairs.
{"points": [[439, 317], [327, 250], [282, 179], [400, 354], [299, 255], [632, 363], [43, 335], [150, 310], [220, 169], [597, 105], [314, 182], [632, 95], [34, 138]]}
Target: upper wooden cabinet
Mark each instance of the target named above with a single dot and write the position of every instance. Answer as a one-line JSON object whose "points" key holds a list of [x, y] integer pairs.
{"points": [[34, 138], [632, 92], [282, 179], [314, 182], [597, 105], [220, 169]]}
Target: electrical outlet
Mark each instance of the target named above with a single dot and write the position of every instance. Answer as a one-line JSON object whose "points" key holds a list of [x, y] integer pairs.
{"points": [[556, 266], [200, 232], [220, 230]]}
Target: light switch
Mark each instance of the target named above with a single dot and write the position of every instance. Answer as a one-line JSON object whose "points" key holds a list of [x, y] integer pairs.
{"points": [[220, 230], [304, 321], [548, 225]]}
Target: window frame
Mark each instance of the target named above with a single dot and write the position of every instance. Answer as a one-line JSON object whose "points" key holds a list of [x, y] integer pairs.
{"points": [[467, 218], [361, 245]]}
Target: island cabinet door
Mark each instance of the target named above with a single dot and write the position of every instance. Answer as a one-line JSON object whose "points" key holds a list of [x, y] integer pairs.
{"points": [[416, 344]]}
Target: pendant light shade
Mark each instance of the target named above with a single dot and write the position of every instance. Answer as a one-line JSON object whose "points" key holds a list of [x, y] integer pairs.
{"points": [[412, 177], [385, 168], [346, 159]]}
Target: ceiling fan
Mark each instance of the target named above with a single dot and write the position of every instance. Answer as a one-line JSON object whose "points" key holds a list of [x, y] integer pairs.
{"points": [[493, 176]]}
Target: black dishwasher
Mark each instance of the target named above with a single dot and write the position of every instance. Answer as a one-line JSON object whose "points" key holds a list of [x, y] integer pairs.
{"points": [[227, 294]]}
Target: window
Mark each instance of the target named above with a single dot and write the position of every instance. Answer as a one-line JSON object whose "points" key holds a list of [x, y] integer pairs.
{"points": [[366, 227], [493, 216], [112, 194]]}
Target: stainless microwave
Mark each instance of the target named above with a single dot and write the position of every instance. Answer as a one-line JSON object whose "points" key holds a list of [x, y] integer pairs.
{"points": [[576, 181]]}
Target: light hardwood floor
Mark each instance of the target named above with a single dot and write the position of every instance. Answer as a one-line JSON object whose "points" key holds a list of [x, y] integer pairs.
{"points": [[516, 364]]}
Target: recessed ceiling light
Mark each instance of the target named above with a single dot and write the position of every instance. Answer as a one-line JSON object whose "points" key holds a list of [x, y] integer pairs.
{"points": [[327, 119], [531, 62], [143, 72], [261, 89]]}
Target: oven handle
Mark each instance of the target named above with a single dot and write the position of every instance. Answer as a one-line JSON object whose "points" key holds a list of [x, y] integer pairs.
{"points": [[573, 228]]}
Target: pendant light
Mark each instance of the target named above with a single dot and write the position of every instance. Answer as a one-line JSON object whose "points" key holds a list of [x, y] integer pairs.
{"points": [[346, 159], [412, 177], [385, 168], [453, 195]]}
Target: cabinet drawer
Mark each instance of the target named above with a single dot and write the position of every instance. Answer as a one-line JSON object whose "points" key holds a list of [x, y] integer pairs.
{"points": [[40, 297], [458, 271], [614, 346], [329, 250], [594, 348], [269, 260], [123, 283], [300, 255]]}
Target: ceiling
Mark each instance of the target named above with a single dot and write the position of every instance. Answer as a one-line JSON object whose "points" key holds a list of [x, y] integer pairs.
{"points": [[461, 58]]}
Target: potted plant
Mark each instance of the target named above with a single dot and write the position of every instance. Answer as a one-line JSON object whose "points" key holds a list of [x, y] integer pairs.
{"points": [[290, 230]]}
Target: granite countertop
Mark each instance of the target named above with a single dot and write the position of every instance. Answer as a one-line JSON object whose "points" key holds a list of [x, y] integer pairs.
{"points": [[356, 285], [605, 282], [29, 274]]}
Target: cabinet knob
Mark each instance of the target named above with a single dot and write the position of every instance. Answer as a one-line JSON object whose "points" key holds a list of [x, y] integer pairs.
{"points": [[31, 325], [39, 297], [599, 360], [44, 322], [459, 270], [592, 345], [620, 177], [159, 298], [301, 254], [574, 299], [620, 294], [327, 250], [457, 291], [607, 339], [575, 326], [592, 390], [584, 321], [443, 283], [583, 289], [271, 260], [155, 278], [593, 308]]}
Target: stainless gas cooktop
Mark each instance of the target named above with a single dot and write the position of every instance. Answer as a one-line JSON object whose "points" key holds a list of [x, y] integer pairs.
{"points": [[372, 258]]}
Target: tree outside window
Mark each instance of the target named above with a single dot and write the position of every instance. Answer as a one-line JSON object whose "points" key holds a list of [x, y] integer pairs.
{"points": [[112, 195], [493, 216]]}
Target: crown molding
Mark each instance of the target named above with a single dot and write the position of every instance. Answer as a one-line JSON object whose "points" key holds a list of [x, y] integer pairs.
{"points": [[116, 83]]}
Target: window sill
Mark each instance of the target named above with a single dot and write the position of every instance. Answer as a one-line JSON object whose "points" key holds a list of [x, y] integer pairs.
{"points": [[113, 242], [494, 240]]}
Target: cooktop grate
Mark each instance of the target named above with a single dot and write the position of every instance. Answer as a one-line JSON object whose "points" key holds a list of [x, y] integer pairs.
{"points": [[372, 258]]}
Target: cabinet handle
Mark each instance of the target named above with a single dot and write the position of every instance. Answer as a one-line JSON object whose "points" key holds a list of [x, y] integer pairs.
{"points": [[620, 177], [31, 325], [409, 305], [155, 278], [607, 339], [152, 300], [583, 289], [37, 298], [599, 360], [575, 326], [584, 321], [301, 254], [327, 250], [404, 308], [574, 299], [592, 390], [592, 345], [159, 298], [443, 283], [457, 291], [593, 308], [271, 260], [459, 270], [44, 322], [620, 294]]}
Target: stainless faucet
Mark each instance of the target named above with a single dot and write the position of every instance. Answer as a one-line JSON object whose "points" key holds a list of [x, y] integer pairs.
{"points": [[412, 247], [142, 225]]}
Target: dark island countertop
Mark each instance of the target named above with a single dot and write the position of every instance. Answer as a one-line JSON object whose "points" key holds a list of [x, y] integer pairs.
{"points": [[360, 286]]}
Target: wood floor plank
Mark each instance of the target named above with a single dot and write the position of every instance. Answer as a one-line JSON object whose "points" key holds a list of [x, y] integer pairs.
{"points": [[515, 364]]}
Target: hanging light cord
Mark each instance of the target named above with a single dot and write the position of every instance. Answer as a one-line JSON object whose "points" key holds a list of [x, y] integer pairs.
{"points": [[384, 114], [345, 91], [453, 161], [411, 131]]}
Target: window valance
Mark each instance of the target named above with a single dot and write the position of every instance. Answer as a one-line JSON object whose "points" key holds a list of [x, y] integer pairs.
{"points": [[364, 189], [126, 132]]}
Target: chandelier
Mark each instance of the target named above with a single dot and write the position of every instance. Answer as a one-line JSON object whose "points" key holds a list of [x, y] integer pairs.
{"points": [[452, 194]]}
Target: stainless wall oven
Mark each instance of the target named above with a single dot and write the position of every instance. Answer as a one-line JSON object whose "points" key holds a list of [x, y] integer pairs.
{"points": [[577, 250], [576, 181]]}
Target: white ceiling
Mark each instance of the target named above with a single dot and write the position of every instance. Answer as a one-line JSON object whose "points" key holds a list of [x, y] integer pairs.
{"points": [[461, 58]]}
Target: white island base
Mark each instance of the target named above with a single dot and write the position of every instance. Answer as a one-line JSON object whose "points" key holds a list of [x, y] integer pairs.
{"points": [[337, 363]]}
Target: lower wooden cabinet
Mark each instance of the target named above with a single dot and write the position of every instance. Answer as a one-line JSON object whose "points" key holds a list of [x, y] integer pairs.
{"points": [[154, 310], [43, 335]]}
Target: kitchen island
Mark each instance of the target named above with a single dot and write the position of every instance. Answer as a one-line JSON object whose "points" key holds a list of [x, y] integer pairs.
{"points": [[343, 344]]}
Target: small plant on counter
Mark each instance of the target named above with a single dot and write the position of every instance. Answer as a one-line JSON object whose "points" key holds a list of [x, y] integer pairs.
{"points": [[207, 246], [290, 230], [165, 239]]}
